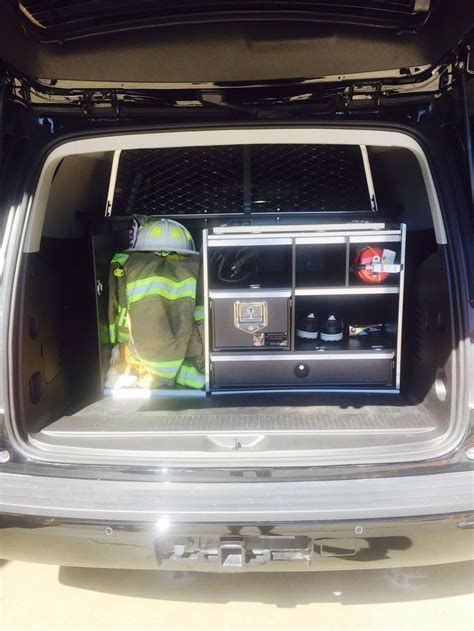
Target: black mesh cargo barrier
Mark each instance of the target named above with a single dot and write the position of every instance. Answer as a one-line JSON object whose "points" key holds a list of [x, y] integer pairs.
{"points": [[236, 179], [179, 181], [299, 178]]}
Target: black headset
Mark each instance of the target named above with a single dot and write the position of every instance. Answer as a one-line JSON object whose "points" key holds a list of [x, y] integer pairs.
{"points": [[235, 267]]}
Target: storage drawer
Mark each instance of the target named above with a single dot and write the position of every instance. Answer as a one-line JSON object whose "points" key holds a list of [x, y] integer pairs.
{"points": [[364, 369]]}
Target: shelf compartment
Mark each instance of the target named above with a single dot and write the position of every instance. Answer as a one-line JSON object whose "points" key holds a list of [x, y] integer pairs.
{"points": [[357, 246], [321, 264], [269, 266], [352, 310]]}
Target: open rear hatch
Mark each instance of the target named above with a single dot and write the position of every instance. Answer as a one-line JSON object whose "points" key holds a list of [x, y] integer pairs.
{"points": [[105, 42]]}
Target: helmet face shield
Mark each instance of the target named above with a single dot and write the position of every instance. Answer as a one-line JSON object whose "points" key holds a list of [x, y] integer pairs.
{"points": [[162, 235]]}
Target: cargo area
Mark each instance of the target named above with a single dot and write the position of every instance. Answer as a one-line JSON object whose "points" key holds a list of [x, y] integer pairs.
{"points": [[323, 298]]}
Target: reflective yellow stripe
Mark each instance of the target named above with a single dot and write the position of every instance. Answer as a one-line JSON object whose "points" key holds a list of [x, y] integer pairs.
{"points": [[120, 258], [164, 293], [112, 333], [162, 279], [174, 363], [191, 377], [199, 313], [164, 369], [161, 286], [122, 317]]}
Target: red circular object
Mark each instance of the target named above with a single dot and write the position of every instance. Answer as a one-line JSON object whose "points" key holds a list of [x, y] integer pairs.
{"points": [[365, 257]]}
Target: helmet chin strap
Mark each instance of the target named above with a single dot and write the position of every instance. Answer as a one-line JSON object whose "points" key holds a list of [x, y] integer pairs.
{"points": [[172, 256]]}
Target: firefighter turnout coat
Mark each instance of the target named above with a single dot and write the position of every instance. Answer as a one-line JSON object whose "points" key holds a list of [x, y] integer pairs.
{"points": [[153, 311]]}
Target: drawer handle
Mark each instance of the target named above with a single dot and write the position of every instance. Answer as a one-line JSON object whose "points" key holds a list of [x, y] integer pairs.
{"points": [[301, 370]]}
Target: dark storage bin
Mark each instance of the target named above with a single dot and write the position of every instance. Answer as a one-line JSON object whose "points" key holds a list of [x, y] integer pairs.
{"points": [[321, 265], [367, 309], [267, 266]]}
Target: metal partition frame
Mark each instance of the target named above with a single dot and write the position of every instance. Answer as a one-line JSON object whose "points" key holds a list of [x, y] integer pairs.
{"points": [[112, 182], [205, 272], [398, 358]]}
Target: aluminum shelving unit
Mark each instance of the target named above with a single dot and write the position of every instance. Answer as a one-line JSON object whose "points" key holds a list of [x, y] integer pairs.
{"points": [[339, 367]]}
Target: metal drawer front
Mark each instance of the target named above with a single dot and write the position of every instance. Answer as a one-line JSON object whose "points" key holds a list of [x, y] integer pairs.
{"points": [[331, 369]]}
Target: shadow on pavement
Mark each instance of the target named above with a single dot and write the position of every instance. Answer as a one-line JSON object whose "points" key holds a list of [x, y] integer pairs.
{"points": [[285, 590]]}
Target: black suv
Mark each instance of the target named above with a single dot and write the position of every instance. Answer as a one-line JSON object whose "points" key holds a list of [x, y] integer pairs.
{"points": [[320, 157]]}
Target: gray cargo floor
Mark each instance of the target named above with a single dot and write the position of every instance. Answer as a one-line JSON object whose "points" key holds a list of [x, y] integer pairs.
{"points": [[360, 413], [360, 428]]}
